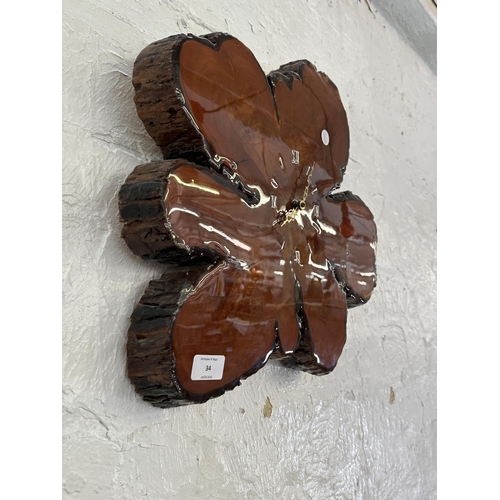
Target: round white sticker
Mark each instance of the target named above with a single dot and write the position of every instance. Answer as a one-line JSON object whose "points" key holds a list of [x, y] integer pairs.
{"points": [[325, 137]]}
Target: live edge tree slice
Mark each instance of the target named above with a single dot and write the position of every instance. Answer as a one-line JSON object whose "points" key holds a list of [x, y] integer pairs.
{"points": [[263, 259]]}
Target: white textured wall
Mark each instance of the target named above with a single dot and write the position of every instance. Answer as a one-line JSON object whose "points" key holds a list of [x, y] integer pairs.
{"points": [[336, 437]]}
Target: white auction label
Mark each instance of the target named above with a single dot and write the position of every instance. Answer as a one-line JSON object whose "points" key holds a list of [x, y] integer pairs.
{"points": [[207, 367]]}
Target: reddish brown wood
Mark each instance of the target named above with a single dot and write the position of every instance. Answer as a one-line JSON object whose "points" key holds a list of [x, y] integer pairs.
{"points": [[263, 260]]}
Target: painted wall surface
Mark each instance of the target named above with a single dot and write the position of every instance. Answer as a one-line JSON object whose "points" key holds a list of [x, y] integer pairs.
{"points": [[367, 430]]}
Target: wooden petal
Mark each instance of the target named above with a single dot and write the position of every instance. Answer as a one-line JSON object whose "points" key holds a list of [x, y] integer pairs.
{"points": [[203, 212], [350, 236], [231, 313], [202, 309], [229, 98], [324, 315], [326, 312], [312, 121]]}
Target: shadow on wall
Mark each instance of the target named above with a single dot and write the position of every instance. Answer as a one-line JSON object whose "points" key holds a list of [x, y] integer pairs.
{"points": [[416, 23]]}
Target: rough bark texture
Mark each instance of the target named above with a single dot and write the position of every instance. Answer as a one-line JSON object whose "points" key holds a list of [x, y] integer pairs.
{"points": [[151, 361], [142, 209], [160, 104]]}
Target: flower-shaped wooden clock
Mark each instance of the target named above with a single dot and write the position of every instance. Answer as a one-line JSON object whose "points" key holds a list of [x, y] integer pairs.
{"points": [[263, 256]]}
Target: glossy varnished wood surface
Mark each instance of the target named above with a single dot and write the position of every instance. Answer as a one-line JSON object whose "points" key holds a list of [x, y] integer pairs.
{"points": [[280, 257]]}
